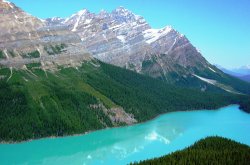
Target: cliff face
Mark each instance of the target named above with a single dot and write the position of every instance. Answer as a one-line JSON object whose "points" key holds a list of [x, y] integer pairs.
{"points": [[26, 39], [14, 20]]}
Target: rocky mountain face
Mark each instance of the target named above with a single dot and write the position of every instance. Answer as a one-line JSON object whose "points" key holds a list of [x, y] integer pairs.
{"points": [[14, 20], [26, 39], [127, 40]]}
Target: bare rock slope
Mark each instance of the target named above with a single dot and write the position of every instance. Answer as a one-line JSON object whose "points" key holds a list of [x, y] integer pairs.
{"points": [[26, 39]]}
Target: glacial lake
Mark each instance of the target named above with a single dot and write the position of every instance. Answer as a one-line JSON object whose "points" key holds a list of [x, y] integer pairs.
{"points": [[165, 134]]}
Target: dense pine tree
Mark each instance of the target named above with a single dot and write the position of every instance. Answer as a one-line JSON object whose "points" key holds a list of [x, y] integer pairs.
{"points": [[211, 150]]}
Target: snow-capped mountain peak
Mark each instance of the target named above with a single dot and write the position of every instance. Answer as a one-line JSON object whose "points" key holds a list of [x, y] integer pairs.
{"points": [[122, 14], [102, 14], [121, 9], [56, 19], [81, 17], [82, 12]]}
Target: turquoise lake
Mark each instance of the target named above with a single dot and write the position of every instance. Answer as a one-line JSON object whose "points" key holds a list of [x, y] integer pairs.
{"points": [[165, 134]]}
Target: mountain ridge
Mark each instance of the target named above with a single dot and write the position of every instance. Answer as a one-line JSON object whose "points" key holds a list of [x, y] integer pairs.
{"points": [[26, 39], [242, 73]]}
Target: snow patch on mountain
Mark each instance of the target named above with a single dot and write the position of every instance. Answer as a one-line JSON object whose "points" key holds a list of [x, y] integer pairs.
{"points": [[56, 19], [122, 38], [105, 37], [87, 21], [217, 84], [79, 17], [118, 26], [212, 69], [209, 81], [152, 35], [122, 11], [76, 24], [42, 20], [198, 50]]}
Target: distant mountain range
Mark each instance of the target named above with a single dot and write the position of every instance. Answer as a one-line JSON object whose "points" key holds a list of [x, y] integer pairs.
{"points": [[242, 73], [245, 78]]}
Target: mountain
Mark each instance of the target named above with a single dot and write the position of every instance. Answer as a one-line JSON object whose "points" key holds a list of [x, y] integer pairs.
{"points": [[238, 72], [126, 40], [244, 70], [55, 21], [26, 39], [241, 73], [211, 150], [228, 71], [245, 78]]}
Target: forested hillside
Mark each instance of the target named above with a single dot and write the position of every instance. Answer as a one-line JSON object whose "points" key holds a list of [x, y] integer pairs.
{"points": [[211, 150], [35, 103]]}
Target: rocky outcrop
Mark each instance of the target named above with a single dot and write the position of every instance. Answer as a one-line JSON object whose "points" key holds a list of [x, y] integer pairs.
{"points": [[14, 20], [117, 115], [26, 39]]}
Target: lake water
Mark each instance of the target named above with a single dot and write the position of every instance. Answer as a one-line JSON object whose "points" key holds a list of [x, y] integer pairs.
{"points": [[165, 134]]}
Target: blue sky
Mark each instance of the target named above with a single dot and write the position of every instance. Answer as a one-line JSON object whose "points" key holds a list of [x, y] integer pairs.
{"points": [[220, 29]]}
